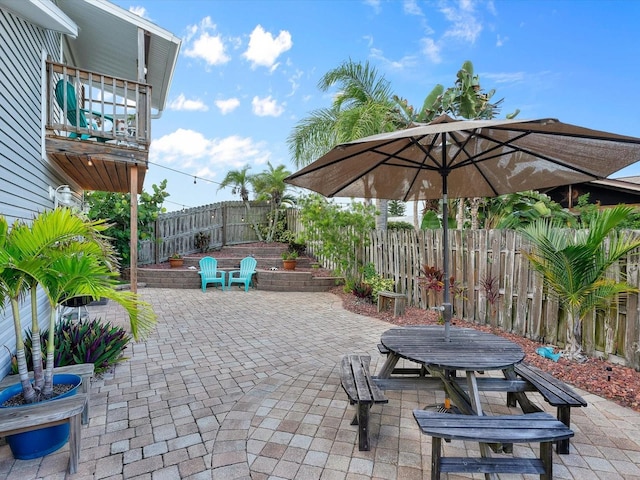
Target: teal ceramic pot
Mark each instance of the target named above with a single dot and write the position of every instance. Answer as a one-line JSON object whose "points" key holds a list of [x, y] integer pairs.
{"points": [[41, 442]]}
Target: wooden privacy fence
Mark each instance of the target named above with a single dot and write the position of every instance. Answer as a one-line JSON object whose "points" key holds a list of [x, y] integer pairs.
{"points": [[520, 304], [227, 223]]}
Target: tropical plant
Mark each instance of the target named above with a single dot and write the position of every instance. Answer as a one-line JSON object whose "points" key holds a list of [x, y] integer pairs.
{"points": [[82, 341], [515, 210], [574, 266], [489, 284], [338, 233], [289, 255], [362, 106], [240, 181], [466, 99], [377, 282], [269, 186], [117, 208], [67, 256]]}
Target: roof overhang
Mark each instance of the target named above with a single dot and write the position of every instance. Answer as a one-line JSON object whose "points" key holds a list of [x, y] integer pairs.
{"points": [[107, 43], [43, 13]]}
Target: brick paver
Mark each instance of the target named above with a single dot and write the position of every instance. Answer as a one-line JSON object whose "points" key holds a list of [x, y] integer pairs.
{"points": [[244, 385]]}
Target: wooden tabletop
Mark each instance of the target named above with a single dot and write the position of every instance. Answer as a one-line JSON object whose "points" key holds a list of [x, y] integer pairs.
{"points": [[467, 350]]}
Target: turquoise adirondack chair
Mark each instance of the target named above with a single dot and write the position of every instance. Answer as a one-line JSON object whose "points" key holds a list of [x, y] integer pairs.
{"points": [[76, 116], [245, 274], [209, 273]]}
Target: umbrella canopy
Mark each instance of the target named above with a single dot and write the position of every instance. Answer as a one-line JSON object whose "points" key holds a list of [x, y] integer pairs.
{"points": [[467, 158]]}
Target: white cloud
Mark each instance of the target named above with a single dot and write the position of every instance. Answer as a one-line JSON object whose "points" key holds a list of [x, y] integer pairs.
{"points": [[294, 80], [182, 103], [202, 44], [515, 77], [140, 11], [375, 4], [190, 151], [266, 107], [465, 25], [431, 49], [264, 50], [405, 62], [501, 40], [411, 7], [228, 105]]}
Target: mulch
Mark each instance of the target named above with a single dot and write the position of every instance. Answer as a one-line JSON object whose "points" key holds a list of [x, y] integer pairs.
{"points": [[603, 378]]}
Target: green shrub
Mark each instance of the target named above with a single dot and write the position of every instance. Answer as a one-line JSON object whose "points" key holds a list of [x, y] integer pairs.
{"points": [[400, 226], [84, 341], [377, 282], [381, 284]]}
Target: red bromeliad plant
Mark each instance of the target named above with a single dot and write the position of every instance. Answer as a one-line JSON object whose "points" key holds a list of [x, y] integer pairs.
{"points": [[432, 280]]}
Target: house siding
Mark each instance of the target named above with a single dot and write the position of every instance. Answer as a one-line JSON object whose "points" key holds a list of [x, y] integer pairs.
{"points": [[25, 176]]}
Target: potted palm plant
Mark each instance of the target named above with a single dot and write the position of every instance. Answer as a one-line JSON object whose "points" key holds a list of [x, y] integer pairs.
{"points": [[65, 256], [289, 259]]}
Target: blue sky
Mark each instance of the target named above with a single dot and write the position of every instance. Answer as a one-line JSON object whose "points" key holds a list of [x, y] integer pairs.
{"points": [[248, 70]]}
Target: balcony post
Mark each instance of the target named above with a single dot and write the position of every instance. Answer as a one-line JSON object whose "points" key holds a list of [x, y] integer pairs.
{"points": [[133, 258]]}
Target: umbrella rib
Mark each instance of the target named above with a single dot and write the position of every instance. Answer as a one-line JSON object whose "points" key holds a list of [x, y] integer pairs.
{"points": [[422, 165], [516, 148]]}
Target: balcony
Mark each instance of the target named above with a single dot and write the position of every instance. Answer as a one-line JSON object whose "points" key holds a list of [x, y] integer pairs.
{"points": [[98, 128]]}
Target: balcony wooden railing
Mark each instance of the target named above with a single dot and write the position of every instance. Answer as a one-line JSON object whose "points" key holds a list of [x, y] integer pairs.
{"points": [[90, 106]]}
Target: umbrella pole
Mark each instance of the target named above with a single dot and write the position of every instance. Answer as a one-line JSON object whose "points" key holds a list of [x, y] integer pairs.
{"points": [[446, 305]]}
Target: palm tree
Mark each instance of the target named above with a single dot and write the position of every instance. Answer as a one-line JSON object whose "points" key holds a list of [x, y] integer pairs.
{"points": [[574, 267], [466, 99], [240, 180], [363, 106], [270, 187], [67, 256]]}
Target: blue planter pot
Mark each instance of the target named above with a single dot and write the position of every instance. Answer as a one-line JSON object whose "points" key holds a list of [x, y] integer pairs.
{"points": [[38, 443]]}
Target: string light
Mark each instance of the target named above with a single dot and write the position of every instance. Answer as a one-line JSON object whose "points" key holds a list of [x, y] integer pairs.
{"points": [[234, 191]]}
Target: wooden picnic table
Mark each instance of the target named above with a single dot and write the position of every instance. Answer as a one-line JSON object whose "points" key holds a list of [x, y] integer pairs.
{"points": [[468, 350]]}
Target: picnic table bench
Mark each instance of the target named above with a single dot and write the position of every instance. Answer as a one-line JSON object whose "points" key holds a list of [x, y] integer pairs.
{"points": [[396, 301], [555, 392], [528, 428], [362, 391]]}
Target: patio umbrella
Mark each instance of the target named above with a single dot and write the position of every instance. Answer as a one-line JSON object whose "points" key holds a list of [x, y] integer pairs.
{"points": [[464, 159]]}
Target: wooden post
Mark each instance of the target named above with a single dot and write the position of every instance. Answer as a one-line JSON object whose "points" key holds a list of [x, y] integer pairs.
{"points": [[133, 241]]}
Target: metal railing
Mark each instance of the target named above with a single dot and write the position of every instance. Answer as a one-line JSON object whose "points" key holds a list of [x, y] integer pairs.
{"points": [[89, 106]]}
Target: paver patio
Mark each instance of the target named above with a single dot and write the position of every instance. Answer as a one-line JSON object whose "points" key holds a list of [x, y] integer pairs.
{"points": [[244, 385]]}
